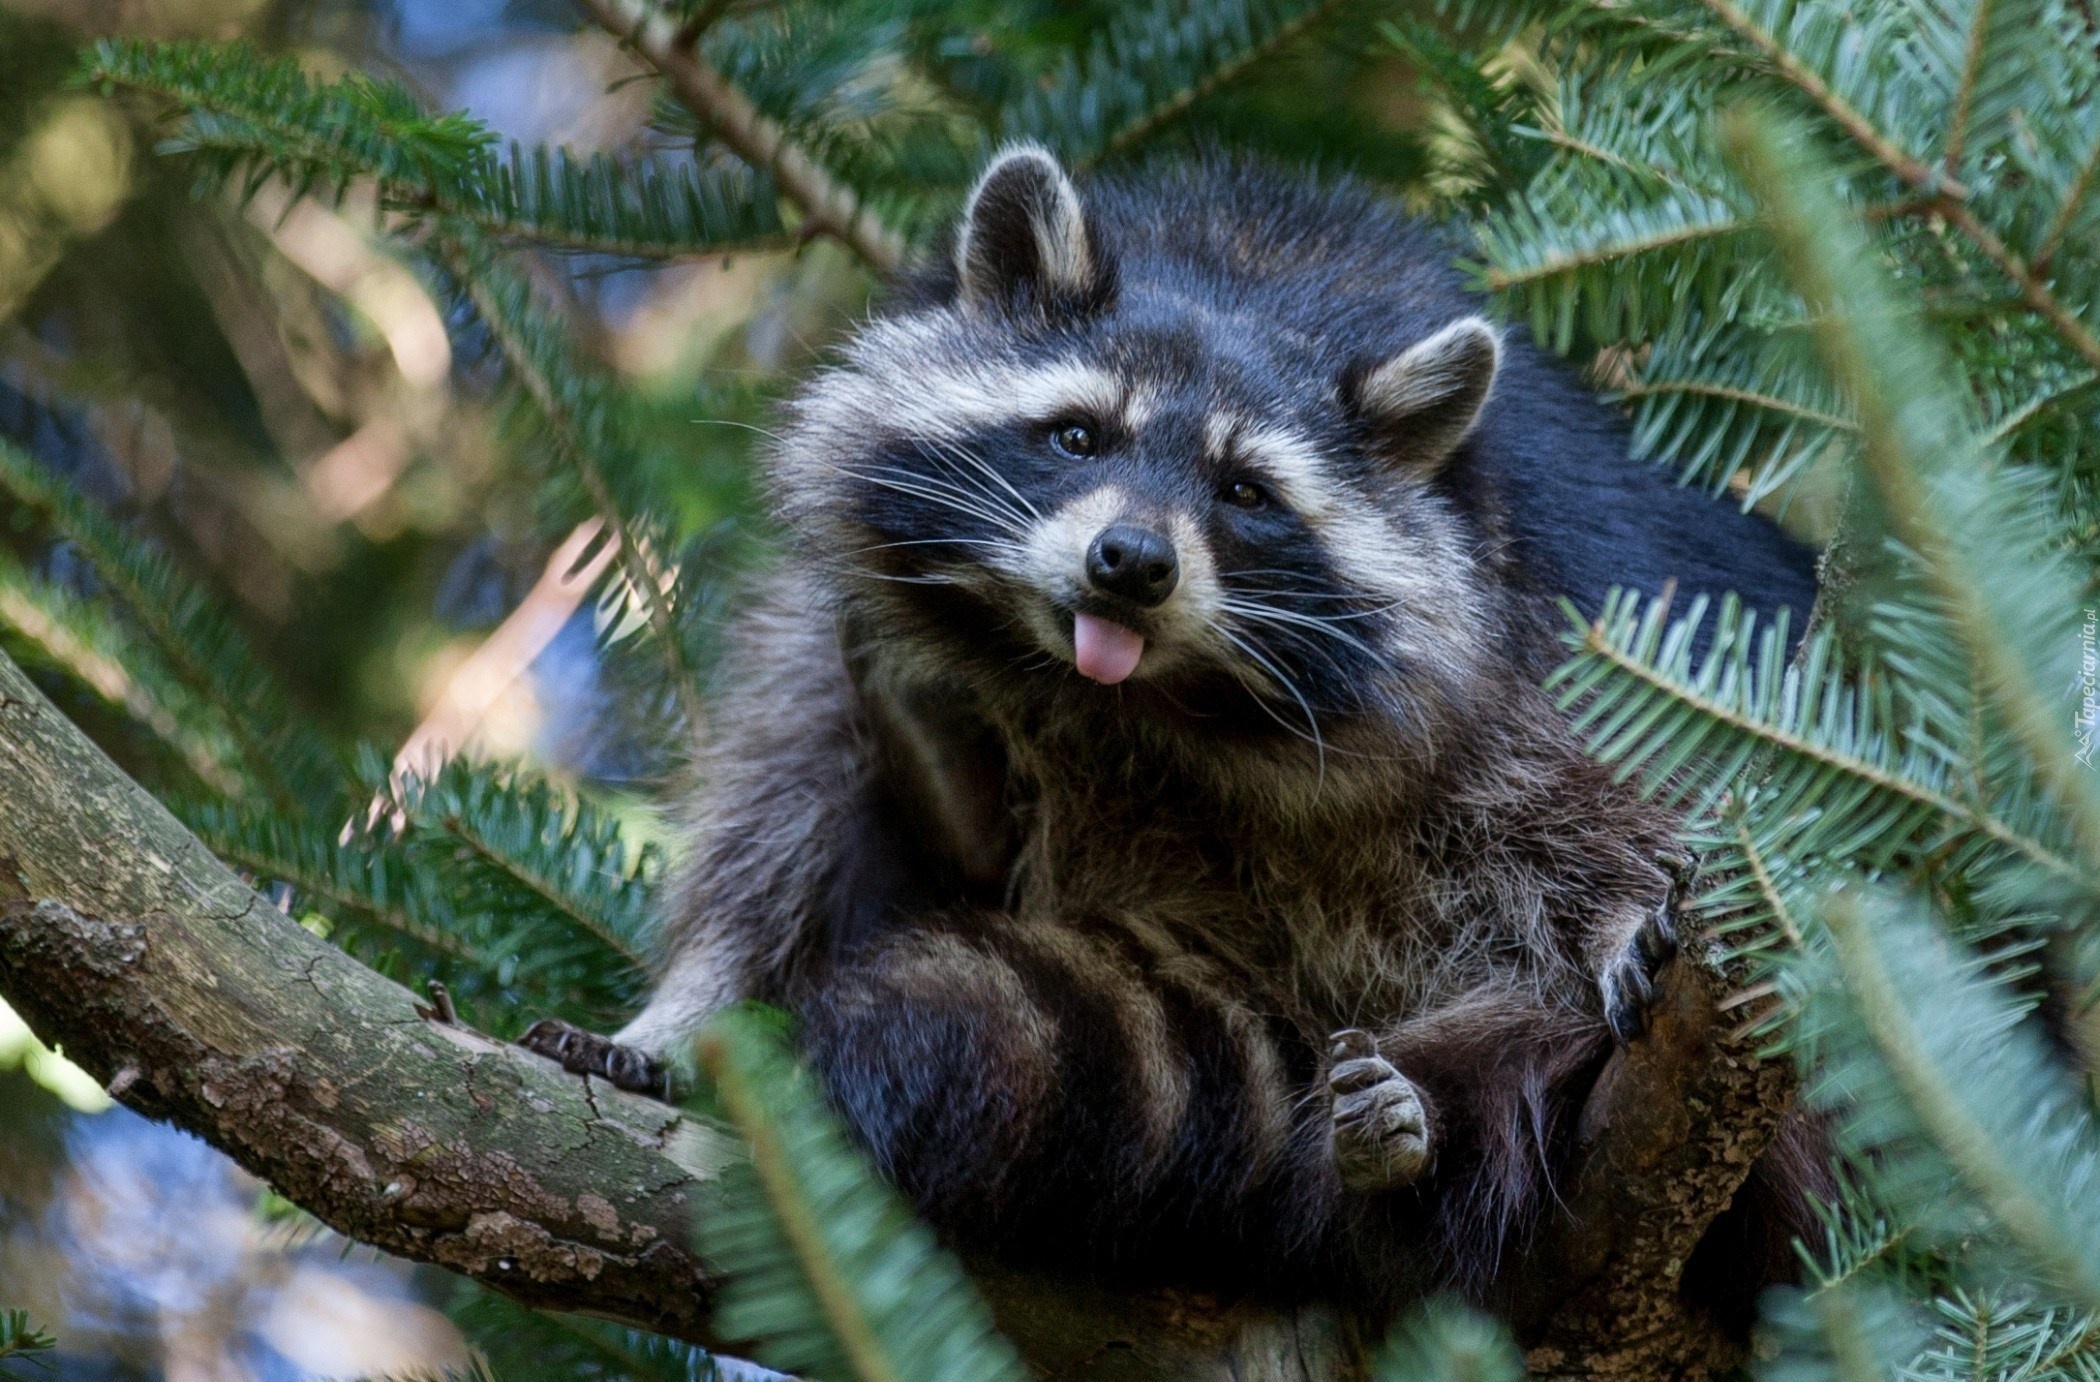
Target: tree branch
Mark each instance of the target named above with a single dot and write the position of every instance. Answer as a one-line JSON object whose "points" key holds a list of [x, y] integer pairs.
{"points": [[756, 137], [169, 979], [1667, 1138]]}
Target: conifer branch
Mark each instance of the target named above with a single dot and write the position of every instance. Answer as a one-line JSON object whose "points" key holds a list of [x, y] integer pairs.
{"points": [[1149, 66], [754, 136], [1942, 193], [1767, 887], [1562, 139], [2083, 1341], [319, 884], [248, 115], [1556, 263], [1137, 130], [1919, 175], [1863, 1257], [646, 574], [21, 1339], [203, 647], [1917, 450], [801, 1254], [80, 638], [1598, 644], [1959, 1123], [2009, 425], [462, 829]]}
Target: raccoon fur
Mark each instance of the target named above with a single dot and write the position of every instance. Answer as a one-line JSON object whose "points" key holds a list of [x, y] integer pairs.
{"points": [[1136, 781]]}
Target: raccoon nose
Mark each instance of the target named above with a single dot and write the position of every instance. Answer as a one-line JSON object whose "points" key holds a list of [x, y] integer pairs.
{"points": [[1135, 563]]}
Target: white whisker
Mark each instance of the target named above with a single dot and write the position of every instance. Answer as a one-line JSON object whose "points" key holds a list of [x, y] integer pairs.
{"points": [[957, 500], [1252, 649], [765, 432], [978, 462], [941, 542], [1268, 614]]}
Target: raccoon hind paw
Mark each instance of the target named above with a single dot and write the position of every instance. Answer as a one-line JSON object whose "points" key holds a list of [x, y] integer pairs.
{"points": [[1381, 1126], [588, 1053]]}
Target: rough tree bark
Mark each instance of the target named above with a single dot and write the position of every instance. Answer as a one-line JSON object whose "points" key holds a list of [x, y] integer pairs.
{"points": [[195, 1001], [124, 941]]}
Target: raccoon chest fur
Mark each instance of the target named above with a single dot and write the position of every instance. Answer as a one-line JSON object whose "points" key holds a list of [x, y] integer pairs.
{"points": [[1134, 778], [1336, 920]]}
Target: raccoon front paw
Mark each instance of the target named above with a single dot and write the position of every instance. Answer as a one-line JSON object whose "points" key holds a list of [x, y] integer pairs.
{"points": [[1381, 1129], [1630, 980], [587, 1053]]}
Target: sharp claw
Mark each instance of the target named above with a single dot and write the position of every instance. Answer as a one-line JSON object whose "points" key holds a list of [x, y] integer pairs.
{"points": [[587, 1053], [1627, 994], [1361, 1072], [1682, 871], [1352, 1043], [1657, 939]]}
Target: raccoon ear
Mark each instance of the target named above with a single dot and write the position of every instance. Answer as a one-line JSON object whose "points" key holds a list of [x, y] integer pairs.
{"points": [[1024, 235], [1427, 398]]}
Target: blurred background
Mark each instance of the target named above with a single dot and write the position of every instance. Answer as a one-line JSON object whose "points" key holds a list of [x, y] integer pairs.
{"points": [[273, 395]]}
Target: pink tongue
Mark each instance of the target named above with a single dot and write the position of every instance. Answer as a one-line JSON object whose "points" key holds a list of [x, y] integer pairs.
{"points": [[1107, 651]]}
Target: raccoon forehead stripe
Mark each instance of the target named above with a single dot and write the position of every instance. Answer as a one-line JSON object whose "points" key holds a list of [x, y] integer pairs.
{"points": [[950, 402], [905, 376]]}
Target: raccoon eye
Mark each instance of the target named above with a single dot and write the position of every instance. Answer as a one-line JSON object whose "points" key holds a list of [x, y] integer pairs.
{"points": [[1075, 439], [1246, 495]]}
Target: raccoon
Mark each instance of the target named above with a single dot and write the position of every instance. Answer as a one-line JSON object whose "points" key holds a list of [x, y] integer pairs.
{"points": [[1136, 779]]}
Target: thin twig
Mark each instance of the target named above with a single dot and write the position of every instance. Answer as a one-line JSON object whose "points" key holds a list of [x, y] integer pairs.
{"points": [[755, 137], [2074, 196], [1965, 94], [1769, 402], [2033, 290]]}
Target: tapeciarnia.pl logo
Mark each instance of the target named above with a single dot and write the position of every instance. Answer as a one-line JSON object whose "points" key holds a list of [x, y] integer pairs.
{"points": [[2088, 687]]}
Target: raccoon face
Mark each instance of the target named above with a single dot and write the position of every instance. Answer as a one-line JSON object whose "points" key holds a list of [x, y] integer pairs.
{"points": [[1084, 461]]}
